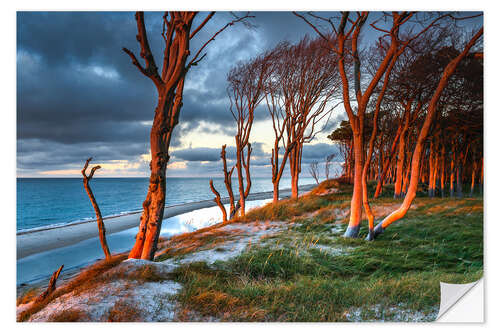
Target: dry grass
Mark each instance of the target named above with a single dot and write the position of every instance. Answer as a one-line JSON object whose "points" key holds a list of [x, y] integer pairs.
{"points": [[326, 186], [28, 296], [123, 311], [69, 315], [205, 238], [87, 279]]}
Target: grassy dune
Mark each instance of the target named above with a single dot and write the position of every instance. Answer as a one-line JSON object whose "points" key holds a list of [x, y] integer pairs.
{"points": [[289, 262], [310, 273]]}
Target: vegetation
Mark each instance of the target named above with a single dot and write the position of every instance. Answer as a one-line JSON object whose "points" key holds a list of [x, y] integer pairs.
{"points": [[311, 273]]}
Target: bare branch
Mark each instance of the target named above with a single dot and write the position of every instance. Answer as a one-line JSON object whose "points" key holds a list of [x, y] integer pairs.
{"points": [[239, 19], [209, 16]]}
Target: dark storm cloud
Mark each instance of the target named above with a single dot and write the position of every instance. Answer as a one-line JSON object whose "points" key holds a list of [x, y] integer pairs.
{"points": [[79, 95]]}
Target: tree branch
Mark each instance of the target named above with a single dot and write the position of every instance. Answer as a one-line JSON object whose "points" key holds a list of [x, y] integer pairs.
{"points": [[195, 58]]}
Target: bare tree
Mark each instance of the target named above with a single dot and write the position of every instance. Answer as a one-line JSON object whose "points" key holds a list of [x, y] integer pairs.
{"points": [[246, 91], [328, 162], [229, 188], [314, 171], [100, 223], [302, 84], [169, 82], [349, 29]]}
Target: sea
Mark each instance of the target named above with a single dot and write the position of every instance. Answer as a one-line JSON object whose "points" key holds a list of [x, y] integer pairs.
{"points": [[46, 202]]}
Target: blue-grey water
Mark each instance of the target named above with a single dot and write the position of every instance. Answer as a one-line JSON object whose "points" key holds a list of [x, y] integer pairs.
{"points": [[43, 202]]}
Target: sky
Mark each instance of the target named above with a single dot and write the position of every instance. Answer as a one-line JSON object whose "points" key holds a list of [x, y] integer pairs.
{"points": [[78, 95]]}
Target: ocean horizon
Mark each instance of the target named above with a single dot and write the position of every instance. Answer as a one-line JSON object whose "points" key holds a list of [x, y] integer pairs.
{"points": [[47, 202]]}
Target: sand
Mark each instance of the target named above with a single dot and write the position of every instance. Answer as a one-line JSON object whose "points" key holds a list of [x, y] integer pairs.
{"points": [[37, 241]]}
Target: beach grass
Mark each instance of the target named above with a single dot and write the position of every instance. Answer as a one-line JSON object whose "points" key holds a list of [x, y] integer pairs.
{"points": [[310, 273], [304, 270]]}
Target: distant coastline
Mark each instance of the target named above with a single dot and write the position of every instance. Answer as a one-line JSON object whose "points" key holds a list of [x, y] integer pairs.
{"points": [[41, 239]]}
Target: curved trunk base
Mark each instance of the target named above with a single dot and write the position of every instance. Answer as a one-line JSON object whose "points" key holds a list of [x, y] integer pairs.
{"points": [[352, 232], [379, 229]]}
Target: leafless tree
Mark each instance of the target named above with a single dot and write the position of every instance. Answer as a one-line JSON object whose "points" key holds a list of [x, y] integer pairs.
{"points": [[328, 162], [314, 171], [100, 223], [302, 85], [178, 31], [246, 91], [347, 29]]}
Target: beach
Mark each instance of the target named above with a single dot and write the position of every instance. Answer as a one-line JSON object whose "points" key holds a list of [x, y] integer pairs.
{"points": [[40, 240]]}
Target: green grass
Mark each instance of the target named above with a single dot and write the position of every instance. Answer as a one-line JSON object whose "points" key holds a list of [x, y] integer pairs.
{"points": [[309, 273]]}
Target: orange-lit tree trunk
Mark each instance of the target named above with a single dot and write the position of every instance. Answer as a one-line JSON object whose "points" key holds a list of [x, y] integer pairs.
{"points": [[442, 179], [383, 175], [401, 152], [482, 176], [170, 85], [473, 178], [371, 144], [452, 175], [357, 120], [100, 223], [424, 131], [218, 201]]}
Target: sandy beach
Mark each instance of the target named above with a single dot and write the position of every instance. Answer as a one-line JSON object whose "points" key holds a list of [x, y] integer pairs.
{"points": [[37, 241]]}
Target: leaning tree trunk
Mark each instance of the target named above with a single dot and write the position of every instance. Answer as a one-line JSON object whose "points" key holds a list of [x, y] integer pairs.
{"points": [[417, 153], [100, 223], [218, 201]]}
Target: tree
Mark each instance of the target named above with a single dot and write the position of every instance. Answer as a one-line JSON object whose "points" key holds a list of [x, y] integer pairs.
{"points": [[313, 170], [169, 82], [422, 136], [246, 91], [297, 96], [328, 162], [349, 29], [229, 188], [100, 223]]}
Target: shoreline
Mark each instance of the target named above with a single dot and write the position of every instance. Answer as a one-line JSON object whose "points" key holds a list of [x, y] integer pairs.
{"points": [[36, 241]]}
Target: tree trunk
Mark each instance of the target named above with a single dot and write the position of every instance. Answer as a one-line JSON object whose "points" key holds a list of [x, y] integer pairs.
{"points": [[381, 180], [473, 178], [442, 178], [241, 188], [100, 223], [357, 195], [415, 167], [154, 205], [294, 170], [51, 287], [401, 154], [218, 201], [276, 191], [459, 180], [452, 177], [482, 176]]}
